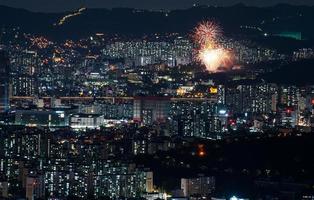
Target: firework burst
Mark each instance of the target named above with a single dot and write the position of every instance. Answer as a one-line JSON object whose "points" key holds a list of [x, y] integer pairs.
{"points": [[214, 59], [206, 33], [209, 52]]}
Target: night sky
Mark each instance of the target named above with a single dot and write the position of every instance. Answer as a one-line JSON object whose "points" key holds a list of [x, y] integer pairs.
{"points": [[62, 5]]}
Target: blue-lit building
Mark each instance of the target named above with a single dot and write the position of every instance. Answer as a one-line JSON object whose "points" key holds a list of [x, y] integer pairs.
{"points": [[4, 81]]}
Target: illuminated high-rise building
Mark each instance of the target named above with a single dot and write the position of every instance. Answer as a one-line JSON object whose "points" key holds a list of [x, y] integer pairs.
{"points": [[197, 186], [148, 110], [24, 85], [26, 62], [255, 98], [4, 81], [198, 119]]}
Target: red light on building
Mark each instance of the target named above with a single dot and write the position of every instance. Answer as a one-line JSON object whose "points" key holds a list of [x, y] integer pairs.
{"points": [[312, 101], [232, 122], [289, 110]]}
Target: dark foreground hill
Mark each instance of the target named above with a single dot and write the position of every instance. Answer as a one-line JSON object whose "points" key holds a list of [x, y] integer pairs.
{"points": [[237, 165], [299, 73]]}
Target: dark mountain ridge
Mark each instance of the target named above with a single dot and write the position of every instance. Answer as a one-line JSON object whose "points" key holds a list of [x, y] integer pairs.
{"points": [[237, 19]]}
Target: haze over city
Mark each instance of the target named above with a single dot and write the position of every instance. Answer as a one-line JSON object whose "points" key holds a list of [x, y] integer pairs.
{"points": [[156, 100]]}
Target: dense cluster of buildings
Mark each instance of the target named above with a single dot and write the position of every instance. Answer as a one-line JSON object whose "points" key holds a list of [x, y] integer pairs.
{"points": [[180, 52], [222, 109], [74, 114], [111, 67], [44, 165]]}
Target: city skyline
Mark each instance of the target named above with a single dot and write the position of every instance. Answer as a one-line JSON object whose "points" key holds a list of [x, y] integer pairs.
{"points": [[202, 103]]}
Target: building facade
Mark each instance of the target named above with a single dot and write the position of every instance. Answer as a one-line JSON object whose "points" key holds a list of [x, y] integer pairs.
{"points": [[4, 81]]}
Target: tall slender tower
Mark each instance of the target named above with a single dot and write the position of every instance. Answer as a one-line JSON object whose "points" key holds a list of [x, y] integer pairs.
{"points": [[4, 81]]}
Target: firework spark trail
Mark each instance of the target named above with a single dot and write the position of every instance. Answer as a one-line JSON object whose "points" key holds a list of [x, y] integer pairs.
{"points": [[209, 51], [206, 33]]}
